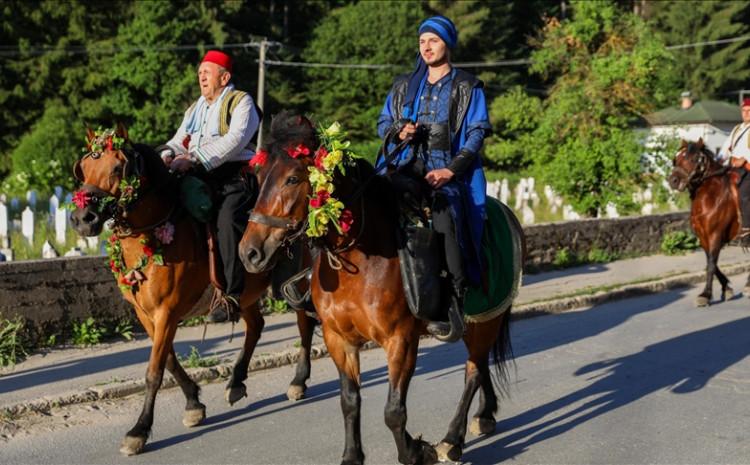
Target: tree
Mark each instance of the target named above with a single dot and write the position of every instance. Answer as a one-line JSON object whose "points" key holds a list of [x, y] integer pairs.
{"points": [[710, 70], [45, 155], [365, 32], [607, 69]]}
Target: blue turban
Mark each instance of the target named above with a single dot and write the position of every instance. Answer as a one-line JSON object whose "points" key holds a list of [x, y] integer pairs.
{"points": [[446, 30]]}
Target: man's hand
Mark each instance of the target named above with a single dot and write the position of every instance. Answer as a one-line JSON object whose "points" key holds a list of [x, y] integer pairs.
{"points": [[438, 178], [407, 131], [181, 164]]}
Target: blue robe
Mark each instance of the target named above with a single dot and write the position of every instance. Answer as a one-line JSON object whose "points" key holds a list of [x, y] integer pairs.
{"points": [[467, 193]]}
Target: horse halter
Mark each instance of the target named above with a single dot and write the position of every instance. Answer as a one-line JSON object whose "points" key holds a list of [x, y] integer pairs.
{"points": [[697, 175], [294, 228]]}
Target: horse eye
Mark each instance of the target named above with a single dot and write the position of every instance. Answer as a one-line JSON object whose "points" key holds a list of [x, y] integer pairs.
{"points": [[292, 180]]}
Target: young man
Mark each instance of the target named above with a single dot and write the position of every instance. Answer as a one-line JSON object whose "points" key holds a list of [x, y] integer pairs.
{"points": [[442, 110], [736, 152], [205, 141]]}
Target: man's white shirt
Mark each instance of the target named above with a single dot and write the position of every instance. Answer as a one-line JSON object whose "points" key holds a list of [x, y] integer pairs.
{"points": [[207, 145], [737, 144]]}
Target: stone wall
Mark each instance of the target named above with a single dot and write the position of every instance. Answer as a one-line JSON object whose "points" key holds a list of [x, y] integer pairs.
{"points": [[52, 293], [634, 235]]}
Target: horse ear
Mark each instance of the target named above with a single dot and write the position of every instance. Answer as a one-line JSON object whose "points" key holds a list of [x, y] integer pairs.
{"points": [[121, 131], [683, 143], [90, 134], [699, 143]]}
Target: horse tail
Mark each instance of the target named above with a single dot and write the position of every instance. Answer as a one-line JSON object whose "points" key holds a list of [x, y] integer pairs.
{"points": [[502, 356]]}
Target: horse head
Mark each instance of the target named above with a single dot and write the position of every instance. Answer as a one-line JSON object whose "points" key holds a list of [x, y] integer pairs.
{"points": [[690, 164], [108, 172], [280, 211]]}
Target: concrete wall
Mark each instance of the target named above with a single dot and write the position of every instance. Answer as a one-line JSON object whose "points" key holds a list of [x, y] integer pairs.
{"points": [[52, 293]]}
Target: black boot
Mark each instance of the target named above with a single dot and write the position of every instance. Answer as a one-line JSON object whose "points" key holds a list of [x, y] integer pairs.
{"points": [[224, 307], [453, 329]]}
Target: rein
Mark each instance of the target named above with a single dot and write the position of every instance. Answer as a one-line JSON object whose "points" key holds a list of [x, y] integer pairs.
{"points": [[699, 174]]}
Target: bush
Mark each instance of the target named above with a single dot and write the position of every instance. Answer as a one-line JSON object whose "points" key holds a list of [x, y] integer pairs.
{"points": [[679, 242], [88, 332], [196, 360], [564, 258]]}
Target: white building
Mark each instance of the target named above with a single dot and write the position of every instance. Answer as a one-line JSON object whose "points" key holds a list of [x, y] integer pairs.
{"points": [[708, 119]]}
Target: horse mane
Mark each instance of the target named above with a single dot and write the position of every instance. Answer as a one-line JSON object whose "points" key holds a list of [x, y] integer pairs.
{"points": [[289, 129], [154, 168]]}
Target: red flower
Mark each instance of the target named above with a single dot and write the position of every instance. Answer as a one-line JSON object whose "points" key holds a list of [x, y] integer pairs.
{"points": [[109, 143], [112, 239], [346, 220], [124, 280], [259, 159], [81, 198], [299, 151], [320, 154], [320, 199], [148, 250]]}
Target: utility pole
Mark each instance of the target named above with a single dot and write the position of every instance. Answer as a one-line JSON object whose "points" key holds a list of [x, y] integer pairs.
{"points": [[261, 84]]}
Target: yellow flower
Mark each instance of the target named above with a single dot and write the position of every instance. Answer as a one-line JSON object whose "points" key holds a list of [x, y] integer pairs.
{"points": [[318, 177], [332, 160], [333, 130]]}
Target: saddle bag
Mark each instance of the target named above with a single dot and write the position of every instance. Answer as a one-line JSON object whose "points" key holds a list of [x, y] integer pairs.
{"points": [[421, 257]]}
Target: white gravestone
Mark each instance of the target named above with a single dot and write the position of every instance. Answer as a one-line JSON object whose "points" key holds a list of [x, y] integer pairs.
{"points": [[54, 204], [27, 224], [48, 251], [74, 252], [612, 211], [4, 226], [61, 225], [527, 214], [493, 188], [504, 192], [521, 193]]}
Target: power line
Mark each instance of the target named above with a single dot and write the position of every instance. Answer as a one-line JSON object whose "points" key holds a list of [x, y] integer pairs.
{"points": [[12, 50], [710, 42]]}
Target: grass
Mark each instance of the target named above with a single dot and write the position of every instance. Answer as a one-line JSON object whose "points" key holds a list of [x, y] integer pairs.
{"points": [[679, 243], [194, 321], [12, 341], [275, 306], [196, 360]]}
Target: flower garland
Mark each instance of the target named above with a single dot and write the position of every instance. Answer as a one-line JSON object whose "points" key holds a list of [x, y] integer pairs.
{"points": [[334, 154], [104, 139]]}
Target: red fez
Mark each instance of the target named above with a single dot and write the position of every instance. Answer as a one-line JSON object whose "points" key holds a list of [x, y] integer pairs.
{"points": [[745, 102], [220, 58]]}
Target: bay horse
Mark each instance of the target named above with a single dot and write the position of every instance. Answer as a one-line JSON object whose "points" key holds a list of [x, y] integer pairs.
{"points": [[714, 210], [131, 186], [358, 293]]}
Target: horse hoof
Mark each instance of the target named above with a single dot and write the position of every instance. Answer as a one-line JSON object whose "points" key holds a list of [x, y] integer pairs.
{"points": [[480, 426], [234, 394], [728, 293], [132, 445], [295, 392], [194, 417], [448, 452], [701, 301]]}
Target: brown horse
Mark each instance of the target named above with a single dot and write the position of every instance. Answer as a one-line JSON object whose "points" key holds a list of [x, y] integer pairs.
{"points": [[358, 293], [714, 213], [163, 294]]}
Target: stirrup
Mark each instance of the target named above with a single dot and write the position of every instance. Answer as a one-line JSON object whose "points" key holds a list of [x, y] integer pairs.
{"points": [[450, 331]]}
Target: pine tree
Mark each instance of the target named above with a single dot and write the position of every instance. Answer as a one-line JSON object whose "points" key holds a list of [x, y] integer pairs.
{"points": [[710, 70]]}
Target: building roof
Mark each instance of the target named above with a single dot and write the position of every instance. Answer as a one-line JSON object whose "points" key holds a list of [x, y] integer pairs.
{"points": [[703, 111]]}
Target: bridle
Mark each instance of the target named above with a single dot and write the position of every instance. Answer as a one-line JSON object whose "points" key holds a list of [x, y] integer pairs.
{"points": [[699, 173], [134, 167]]}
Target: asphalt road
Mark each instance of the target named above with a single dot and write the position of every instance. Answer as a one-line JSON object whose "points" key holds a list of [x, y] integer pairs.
{"points": [[643, 380]]}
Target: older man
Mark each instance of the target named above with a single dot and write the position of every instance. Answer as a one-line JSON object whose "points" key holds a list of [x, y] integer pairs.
{"points": [[442, 110], [215, 135], [736, 152]]}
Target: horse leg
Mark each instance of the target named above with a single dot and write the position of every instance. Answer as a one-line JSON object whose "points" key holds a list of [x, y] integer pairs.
{"points": [[195, 411], [746, 289], [402, 359], [479, 339], [164, 331], [346, 358], [298, 386], [704, 298], [254, 323]]}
